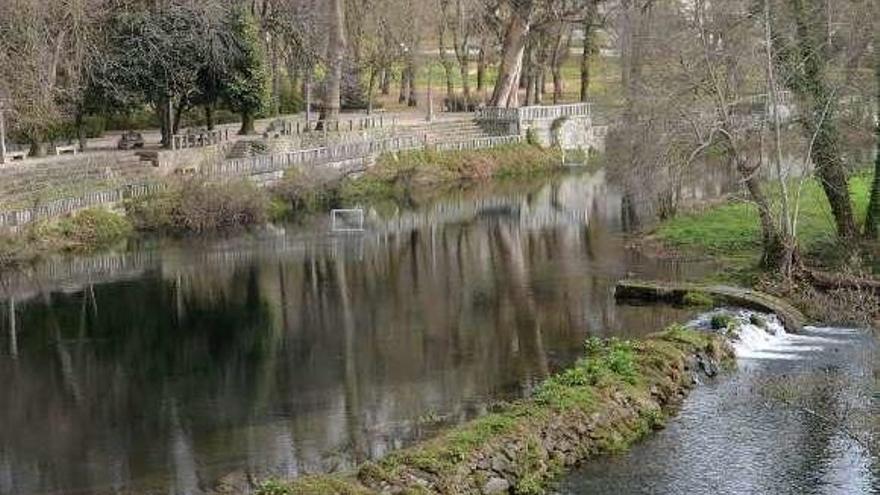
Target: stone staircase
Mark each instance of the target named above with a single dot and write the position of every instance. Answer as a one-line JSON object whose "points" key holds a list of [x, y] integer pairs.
{"points": [[25, 184], [445, 131]]}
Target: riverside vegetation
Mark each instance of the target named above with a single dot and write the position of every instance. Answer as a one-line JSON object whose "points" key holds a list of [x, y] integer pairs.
{"points": [[729, 234], [197, 206], [619, 391]]}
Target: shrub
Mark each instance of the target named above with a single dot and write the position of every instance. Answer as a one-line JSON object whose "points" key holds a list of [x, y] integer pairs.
{"points": [[197, 206], [93, 228], [308, 191], [721, 322]]}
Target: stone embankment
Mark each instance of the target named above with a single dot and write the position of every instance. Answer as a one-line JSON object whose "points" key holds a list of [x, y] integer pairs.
{"points": [[618, 393]]}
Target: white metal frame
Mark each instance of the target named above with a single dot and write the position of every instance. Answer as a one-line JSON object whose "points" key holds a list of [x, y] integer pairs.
{"points": [[335, 213]]}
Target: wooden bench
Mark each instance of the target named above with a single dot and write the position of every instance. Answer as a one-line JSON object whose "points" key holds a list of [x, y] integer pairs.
{"points": [[65, 149], [16, 155]]}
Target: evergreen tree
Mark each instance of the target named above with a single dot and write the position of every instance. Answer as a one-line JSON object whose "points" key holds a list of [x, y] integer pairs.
{"points": [[246, 88]]}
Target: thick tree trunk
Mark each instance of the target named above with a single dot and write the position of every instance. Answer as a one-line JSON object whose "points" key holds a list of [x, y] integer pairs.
{"points": [[386, 81], [413, 98], [247, 124], [81, 137], [588, 50], [404, 86], [833, 176], [371, 89], [446, 62], [809, 84], [209, 116], [872, 229], [773, 249], [512, 50], [464, 68], [164, 123], [481, 66], [335, 54], [39, 147]]}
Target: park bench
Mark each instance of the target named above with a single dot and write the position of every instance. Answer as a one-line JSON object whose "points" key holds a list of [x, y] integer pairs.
{"points": [[130, 140], [16, 155], [59, 150]]}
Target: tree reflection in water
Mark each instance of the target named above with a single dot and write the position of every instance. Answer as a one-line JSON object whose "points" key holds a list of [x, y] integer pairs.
{"points": [[301, 351]]}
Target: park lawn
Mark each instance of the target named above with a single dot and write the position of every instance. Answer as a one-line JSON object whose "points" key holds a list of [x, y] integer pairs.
{"points": [[604, 84], [730, 232]]}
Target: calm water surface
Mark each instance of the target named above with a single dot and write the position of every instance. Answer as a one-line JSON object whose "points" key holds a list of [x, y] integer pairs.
{"points": [[180, 367]]}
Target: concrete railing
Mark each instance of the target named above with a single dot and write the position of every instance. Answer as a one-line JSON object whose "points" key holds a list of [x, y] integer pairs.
{"points": [[540, 112], [199, 139], [290, 127], [59, 207], [479, 143], [264, 164]]}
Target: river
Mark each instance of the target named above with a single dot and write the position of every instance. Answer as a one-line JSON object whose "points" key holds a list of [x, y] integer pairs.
{"points": [[181, 366]]}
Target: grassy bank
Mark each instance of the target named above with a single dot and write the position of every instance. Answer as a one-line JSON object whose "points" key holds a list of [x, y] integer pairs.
{"points": [[85, 231], [397, 173], [730, 232], [615, 394]]}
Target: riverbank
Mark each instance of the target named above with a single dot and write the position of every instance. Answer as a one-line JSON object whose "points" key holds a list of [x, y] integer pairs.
{"points": [[198, 207], [728, 233], [618, 392]]}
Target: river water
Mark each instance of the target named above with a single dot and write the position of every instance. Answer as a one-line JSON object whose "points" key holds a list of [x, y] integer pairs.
{"points": [[798, 417], [175, 366], [181, 367]]}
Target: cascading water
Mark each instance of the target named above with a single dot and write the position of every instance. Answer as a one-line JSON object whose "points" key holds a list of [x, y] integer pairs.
{"points": [[793, 418], [755, 335]]}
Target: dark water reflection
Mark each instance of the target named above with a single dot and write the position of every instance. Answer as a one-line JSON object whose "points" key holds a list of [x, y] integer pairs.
{"points": [[300, 350]]}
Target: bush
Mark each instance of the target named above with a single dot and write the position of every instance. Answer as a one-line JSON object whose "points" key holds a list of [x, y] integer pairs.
{"points": [[721, 322], [197, 206], [308, 191], [93, 228]]}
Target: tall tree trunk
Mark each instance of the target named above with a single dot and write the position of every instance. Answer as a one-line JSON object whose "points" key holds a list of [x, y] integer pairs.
{"points": [[386, 81], [445, 60], [404, 85], [335, 54], [413, 98], [507, 84], [589, 49], [481, 65], [773, 249], [247, 124], [809, 84], [80, 130], [209, 116], [370, 89], [872, 229]]}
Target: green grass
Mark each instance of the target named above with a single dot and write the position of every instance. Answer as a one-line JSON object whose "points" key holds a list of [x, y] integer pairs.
{"points": [[85, 231], [396, 173], [731, 231]]}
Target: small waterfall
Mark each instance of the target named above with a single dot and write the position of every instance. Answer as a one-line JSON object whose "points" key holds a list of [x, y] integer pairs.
{"points": [[756, 335]]}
